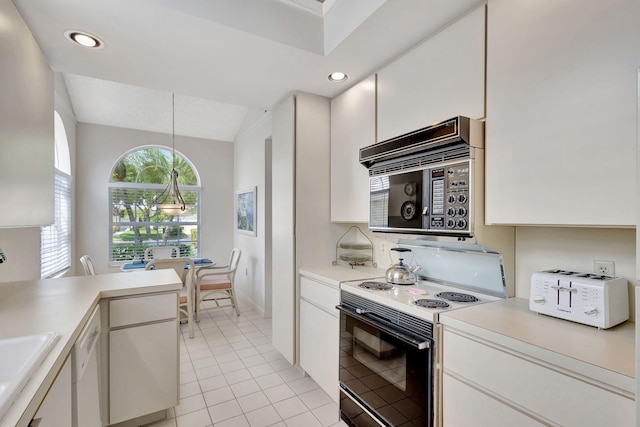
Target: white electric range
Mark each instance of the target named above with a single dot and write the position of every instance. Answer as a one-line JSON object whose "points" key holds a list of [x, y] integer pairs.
{"points": [[424, 299], [390, 335]]}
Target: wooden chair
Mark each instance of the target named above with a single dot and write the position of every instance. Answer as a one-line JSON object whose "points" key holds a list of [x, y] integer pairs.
{"points": [[185, 269], [215, 284], [87, 265], [161, 252]]}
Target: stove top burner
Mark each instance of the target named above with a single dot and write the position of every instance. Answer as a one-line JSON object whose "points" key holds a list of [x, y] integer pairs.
{"points": [[378, 286], [431, 303], [456, 297]]}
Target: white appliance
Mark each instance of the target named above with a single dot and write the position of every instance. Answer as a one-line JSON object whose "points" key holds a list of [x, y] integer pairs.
{"points": [[390, 333], [389, 345], [591, 299], [85, 375], [424, 299]]}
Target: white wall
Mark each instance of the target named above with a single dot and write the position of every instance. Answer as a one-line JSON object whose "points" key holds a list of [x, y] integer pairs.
{"points": [[98, 150], [543, 248], [249, 172]]}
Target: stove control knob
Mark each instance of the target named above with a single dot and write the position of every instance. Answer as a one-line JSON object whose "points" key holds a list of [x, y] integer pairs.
{"points": [[461, 223], [451, 223], [591, 310], [462, 198], [462, 211], [539, 299], [451, 212], [451, 199]]}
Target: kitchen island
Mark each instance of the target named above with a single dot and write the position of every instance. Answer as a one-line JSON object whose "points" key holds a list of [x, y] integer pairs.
{"points": [[63, 306], [513, 365]]}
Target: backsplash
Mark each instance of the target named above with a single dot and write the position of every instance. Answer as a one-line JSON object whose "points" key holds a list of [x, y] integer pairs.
{"points": [[543, 248], [469, 266]]}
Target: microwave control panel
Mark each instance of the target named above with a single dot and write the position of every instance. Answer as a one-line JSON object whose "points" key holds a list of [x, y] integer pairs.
{"points": [[448, 199]]}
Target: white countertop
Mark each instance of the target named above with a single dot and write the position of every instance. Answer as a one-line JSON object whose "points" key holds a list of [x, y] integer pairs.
{"points": [[607, 355], [63, 306], [336, 274]]}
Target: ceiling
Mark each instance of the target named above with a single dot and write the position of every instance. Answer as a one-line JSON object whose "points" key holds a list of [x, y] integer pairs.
{"points": [[221, 58]]}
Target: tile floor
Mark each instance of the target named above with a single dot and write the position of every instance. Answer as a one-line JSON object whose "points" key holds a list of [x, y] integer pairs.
{"points": [[232, 376]]}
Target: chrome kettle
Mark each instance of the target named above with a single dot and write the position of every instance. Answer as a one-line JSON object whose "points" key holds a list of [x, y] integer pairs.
{"points": [[400, 273]]}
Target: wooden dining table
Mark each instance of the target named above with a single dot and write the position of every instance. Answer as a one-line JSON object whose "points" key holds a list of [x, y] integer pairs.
{"points": [[138, 265]]}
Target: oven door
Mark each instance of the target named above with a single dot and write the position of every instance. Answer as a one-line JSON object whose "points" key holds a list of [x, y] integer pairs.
{"points": [[396, 201], [386, 375]]}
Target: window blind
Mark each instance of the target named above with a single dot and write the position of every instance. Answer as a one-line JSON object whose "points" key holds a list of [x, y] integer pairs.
{"points": [[55, 239]]}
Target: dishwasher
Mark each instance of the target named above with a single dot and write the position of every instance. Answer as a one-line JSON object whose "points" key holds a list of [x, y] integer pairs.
{"points": [[85, 375]]}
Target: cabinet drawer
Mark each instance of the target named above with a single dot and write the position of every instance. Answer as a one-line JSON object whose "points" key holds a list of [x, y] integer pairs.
{"points": [[131, 311], [466, 406], [549, 392], [320, 294]]}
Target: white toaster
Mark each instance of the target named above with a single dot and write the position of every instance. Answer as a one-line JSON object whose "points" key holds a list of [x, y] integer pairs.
{"points": [[592, 299]]}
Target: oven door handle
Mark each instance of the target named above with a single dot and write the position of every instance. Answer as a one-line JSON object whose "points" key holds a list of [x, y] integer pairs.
{"points": [[387, 327]]}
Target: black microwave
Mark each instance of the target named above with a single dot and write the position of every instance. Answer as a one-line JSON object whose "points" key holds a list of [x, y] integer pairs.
{"points": [[429, 199], [426, 181]]}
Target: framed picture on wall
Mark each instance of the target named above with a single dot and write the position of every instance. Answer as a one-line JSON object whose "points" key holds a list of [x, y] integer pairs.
{"points": [[246, 211]]}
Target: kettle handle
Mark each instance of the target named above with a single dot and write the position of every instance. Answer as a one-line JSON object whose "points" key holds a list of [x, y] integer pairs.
{"points": [[400, 249]]}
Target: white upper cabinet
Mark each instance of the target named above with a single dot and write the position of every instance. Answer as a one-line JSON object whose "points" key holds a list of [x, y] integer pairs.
{"points": [[439, 79], [26, 126], [353, 126], [561, 112]]}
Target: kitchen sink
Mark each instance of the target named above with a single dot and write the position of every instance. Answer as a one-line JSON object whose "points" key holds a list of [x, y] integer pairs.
{"points": [[19, 359]]}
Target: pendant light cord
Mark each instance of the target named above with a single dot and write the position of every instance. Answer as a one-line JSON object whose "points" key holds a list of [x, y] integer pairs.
{"points": [[173, 128]]}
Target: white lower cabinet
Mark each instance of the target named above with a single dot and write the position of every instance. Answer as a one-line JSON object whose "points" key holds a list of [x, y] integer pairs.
{"points": [[486, 384], [143, 356], [55, 410], [319, 334]]}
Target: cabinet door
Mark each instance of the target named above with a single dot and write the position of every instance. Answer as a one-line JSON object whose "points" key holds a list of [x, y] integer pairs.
{"points": [[440, 79], [561, 112], [283, 236], [301, 230], [26, 126], [319, 342], [353, 126], [55, 410], [143, 370], [533, 387]]}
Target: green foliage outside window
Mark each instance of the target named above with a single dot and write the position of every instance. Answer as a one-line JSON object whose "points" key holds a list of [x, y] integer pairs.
{"points": [[135, 223]]}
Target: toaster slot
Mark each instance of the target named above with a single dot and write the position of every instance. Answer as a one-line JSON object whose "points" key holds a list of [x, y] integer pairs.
{"points": [[564, 294]]}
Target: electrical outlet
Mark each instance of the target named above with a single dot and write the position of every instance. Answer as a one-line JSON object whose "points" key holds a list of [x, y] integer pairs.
{"points": [[604, 267], [383, 248], [246, 271]]}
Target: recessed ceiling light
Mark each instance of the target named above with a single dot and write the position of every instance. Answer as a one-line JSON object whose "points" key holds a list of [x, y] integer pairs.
{"points": [[84, 39], [337, 77]]}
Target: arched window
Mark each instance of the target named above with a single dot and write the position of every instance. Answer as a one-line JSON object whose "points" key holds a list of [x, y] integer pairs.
{"points": [[55, 239], [135, 223]]}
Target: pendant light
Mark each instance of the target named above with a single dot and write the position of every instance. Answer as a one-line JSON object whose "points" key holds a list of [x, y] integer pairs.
{"points": [[170, 201]]}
